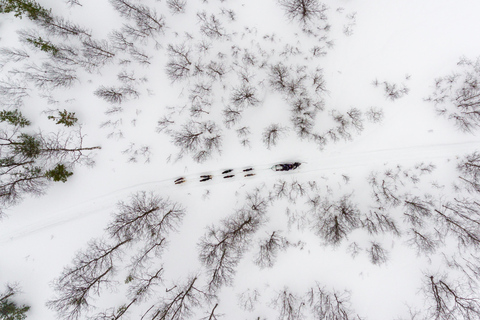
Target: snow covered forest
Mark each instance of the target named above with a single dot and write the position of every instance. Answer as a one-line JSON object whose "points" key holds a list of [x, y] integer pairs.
{"points": [[138, 137]]}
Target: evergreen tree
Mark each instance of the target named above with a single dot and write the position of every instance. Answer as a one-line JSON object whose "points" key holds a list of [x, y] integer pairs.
{"points": [[64, 117], [59, 173], [9, 310], [43, 45], [32, 9], [14, 117], [29, 160]]}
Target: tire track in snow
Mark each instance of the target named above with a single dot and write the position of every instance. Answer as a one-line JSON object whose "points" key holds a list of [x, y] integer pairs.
{"points": [[328, 162]]}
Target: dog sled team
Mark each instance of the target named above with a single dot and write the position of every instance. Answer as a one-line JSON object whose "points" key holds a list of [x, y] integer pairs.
{"points": [[247, 172]]}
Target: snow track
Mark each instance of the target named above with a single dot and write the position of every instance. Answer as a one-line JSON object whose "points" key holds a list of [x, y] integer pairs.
{"points": [[310, 169]]}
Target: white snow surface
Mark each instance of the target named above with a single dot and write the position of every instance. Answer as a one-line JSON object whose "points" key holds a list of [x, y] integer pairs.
{"points": [[391, 39]]}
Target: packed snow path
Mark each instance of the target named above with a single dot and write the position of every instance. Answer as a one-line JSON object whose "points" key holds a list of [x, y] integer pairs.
{"points": [[310, 169]]}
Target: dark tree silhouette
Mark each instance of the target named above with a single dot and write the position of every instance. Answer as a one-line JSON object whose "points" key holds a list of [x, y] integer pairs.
{"points": [[289, 305], [12, 55], [296, 190], [222, 247], [377, 254], [461, 219], [352, 120], [72, 3], [320, 140], [112, 313], [145, 216], [116, 95], [416, 210], [91, 270], [272, 134], [248, 299], [141, 284], [450, 300], [140, 56], [423, 241], [354, 249], [177, 6], [142, 223], [305, 11], [201, 99], [457, 96], [379, 222], [304, 111], [279, 77], [469, 170], [244, 96], [269, 248], [280, 189], [374, 114], [200, 139], [329, 305], [148, 23], [180, 64], [164, 123], [13, 91], [333, 221], [212, 315], [393, 91], [119, 40], [468, 265], [242, 134], [59, 26], [50, 76], [71, 56], [216, 71], [97, 52], [318, 81], [223, 255], [231, 116], [355, 118], [210, 25], [385, 187], [180, 302]]}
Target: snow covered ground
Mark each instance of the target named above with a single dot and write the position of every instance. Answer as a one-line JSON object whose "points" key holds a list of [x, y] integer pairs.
{"points": [[403, 42]]}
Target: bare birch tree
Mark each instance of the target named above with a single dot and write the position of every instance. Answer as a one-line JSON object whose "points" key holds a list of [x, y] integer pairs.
{"points": [[148, 22], [289, 305], [272, 134], [305, 11], [325, 304], [200, 139], [222, 247], [469, 170], [457, 96], [91, 271], [269, 248], [333, 221], [449, 300]]}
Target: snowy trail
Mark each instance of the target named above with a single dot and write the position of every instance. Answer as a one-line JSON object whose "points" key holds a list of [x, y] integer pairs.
{"points": [[310, 167]]}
